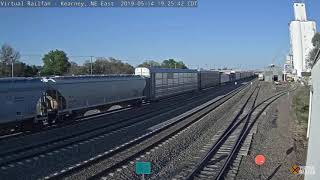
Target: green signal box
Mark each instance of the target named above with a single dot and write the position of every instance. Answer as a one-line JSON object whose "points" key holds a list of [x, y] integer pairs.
{"points": [[143, 168]]}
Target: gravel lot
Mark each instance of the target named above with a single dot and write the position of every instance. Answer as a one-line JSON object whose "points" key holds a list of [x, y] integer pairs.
{"points": [[279, 141]]}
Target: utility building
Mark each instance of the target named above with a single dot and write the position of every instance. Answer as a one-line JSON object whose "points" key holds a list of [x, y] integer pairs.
{"points": [[273, 73], [301, 34]]}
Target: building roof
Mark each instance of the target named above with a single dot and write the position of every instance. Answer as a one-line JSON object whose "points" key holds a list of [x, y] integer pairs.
{"points": [[169, 70]]}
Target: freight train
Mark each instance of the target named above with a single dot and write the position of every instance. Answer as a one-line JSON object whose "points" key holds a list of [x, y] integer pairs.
{"points": [[30, 102]]}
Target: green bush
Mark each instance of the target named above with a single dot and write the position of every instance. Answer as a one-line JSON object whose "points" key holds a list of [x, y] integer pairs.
{"points": [[301, 104]]}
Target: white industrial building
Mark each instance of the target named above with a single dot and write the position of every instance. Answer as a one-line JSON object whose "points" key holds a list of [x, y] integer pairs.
{"points": [[288, 68], [301, 34]]}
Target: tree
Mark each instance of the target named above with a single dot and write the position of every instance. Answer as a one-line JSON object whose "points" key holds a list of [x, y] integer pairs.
{"points": [[74, 68], [101, 66], [150, 63], [111, 66], [118, 67], [23, 70], [86, 68], [55, 63], [311, 57], [312, 54], [316, 40], [171, 63], [32, 70], [8, 56]]}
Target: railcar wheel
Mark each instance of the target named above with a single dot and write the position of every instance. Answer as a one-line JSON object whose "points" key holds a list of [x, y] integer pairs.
{"points": [[52, 118], [6, 130]]}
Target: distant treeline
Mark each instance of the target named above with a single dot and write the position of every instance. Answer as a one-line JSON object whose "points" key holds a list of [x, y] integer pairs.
{"points": [[56, 62]]}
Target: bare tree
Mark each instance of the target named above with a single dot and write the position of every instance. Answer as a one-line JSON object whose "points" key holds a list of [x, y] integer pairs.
{"points": [[8, 56], [150, 63]]}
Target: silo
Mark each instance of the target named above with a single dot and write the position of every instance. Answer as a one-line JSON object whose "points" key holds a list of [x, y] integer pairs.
{"points": [[296, 46]]}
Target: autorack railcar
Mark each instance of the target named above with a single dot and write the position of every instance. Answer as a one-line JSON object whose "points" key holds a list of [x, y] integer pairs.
{"points": [[208, 79], [163, 82], [224, 78], [238, 75]]}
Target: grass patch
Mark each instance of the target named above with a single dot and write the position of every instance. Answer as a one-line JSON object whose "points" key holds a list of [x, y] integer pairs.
{"points": [[300, 105]]}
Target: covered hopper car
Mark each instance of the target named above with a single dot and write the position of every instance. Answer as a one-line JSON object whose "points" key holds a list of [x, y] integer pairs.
{"points": [[29, 101]]}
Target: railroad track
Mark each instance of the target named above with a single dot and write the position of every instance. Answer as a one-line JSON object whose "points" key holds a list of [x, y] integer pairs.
{"points": [[155, 137], [215, 162], [16, 133], [11, 158]]}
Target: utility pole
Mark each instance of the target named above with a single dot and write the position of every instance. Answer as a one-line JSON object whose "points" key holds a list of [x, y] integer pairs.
{"points": [[11, 68], [91, 65]]}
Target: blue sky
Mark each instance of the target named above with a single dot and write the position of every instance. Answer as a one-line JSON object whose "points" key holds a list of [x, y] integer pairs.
{"points": [[248, 33]]}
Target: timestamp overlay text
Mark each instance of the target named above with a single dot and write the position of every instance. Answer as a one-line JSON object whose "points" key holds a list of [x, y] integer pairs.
{"points": [[97, 3]]}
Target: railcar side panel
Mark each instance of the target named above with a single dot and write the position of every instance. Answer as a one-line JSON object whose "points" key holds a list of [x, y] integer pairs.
{"points": [[88, 92], [19, 98], [224, 78], [237, 75], [168, 82], [232, 76], [208, 79]]}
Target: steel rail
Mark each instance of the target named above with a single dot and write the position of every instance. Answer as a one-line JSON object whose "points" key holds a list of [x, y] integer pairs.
{"points": [[225, 136], [97, 159], [234, 123], [245, 132]]}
